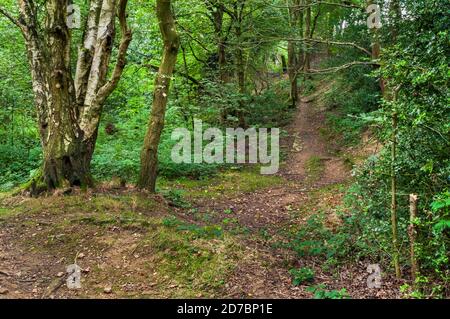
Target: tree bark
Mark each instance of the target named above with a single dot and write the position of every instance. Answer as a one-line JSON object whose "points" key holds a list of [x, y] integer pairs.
{"points": [[238, 17], [292, 56], [395, 246], [217, 9], [149, 154], [412, 232], [307, 65], [376, 50], [69, 107]]}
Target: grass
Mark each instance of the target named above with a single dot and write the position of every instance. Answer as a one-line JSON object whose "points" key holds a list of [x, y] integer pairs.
{"points": [[197, 259], [130, 243], [314, 167], [228, 183], [131, 239]]}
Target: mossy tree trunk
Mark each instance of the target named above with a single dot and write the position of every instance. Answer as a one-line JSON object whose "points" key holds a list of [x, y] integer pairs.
{"points": [[69, 105], [149, 154]]}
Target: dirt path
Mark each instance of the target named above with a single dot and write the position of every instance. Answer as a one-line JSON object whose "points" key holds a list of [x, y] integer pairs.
{"points": [[264, 273], [309, 168], [114, 231], [307, 143], [306, 149]]}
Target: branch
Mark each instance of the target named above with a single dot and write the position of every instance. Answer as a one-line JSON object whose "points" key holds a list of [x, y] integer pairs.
{"points": [[193, 38], [331, 42], [183, 74], [338, 68], [302, 7], [86, 52], [107, 89], [12, 19]]}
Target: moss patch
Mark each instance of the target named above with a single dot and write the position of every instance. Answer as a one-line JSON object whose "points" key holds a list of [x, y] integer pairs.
{"points": [[229, 183], [128, 242], [314, 167]]}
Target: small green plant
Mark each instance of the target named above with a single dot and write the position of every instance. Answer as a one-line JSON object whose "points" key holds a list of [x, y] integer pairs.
{"points": [[195, 231], [176, 198], [315, 239], [301, 275], [320, 292], [314, 167]]}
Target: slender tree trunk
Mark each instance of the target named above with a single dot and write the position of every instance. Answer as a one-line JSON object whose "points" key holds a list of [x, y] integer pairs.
{"points": [[240, 67], [149, 155], [292, 71], [307, 58], [413, 199], [217, 11], [376, 50], [395, 247], [301, 51], [284, 66], [221, 45], [292, 56]]}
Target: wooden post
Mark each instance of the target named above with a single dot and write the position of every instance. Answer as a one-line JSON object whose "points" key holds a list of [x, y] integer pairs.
{"points": [[413, 199]]}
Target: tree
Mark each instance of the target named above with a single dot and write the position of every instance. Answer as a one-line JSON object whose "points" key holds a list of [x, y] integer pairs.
{"points": [[217, 9], [69, 105], [149, 155], [293, 59]]}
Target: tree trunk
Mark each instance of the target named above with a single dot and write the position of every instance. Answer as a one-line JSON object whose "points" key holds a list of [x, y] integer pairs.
{"points": [[307, 65], [217, 11], [218, 14], [149, 155], [395, 247], [292, 71], [61, 137], [376, 50], [239, 60], [292, 57], [69, 108], [412, 231]]}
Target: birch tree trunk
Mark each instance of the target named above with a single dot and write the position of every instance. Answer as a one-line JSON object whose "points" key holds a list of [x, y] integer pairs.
{"points": [[69, 106], [149, 154]]}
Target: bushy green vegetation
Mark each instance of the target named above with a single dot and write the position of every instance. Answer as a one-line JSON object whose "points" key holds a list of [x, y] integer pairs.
{"points": [[301, 275], [415, 69]]}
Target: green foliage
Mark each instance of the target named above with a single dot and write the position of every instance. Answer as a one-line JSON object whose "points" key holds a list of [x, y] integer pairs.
{"points": [[269, 109], [17, 164], [433, 248], [301, 275], [315, 239], [416, 66], [320, 292], [176, 198], [195, 231], [352, 96]]}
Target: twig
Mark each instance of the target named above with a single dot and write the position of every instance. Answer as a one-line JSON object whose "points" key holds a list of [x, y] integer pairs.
{"points": [[4, 273]]}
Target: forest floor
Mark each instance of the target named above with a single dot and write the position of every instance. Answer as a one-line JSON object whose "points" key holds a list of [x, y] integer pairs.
{"points": [[222, 237]]}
